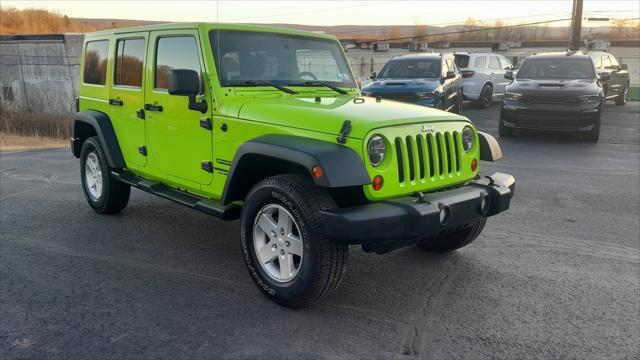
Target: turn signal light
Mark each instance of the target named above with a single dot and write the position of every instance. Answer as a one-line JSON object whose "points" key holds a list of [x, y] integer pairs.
{"points": [[317, 172], [474, 165], [377, 182]]}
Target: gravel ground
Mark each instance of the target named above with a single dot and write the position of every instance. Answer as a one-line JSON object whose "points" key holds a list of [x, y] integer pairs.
{"points": [[557, 276]]}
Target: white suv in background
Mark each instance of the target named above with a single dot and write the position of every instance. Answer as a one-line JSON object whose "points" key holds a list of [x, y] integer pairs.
{"points": [[483, 76]]}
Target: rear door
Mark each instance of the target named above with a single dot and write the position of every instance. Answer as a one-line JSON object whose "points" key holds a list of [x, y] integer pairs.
{"points": [[126, 96], [178, 145], [495, 73], [618, 78]]}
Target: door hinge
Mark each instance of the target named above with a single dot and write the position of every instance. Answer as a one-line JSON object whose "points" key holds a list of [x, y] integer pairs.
{"points": [[140, 113], [207, 166], [206, 123], [142, 150]]}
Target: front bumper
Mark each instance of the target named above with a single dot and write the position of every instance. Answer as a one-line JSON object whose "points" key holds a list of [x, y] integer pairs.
{"points": [[387, 225], [550, 116]]}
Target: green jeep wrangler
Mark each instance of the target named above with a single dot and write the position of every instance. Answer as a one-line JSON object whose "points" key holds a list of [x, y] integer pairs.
{"points": [[268, 126]]}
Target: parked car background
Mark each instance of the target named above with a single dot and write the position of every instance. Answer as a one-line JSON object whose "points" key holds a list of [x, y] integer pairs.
{"points": [[557, 91], [614, 76], [431, 80], [483, 76]]}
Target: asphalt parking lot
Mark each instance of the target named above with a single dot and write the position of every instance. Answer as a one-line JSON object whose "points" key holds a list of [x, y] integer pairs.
{"points": [[557, 276]]}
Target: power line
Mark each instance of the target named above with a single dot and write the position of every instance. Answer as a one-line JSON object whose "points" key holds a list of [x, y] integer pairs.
{"points": [[458, 22], [472, 30]]}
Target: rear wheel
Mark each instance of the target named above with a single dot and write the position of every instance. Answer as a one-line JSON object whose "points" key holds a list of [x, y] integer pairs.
{"points": [[455, 240], [486, 97], [104, 194], [622, 99], [286, 251]]}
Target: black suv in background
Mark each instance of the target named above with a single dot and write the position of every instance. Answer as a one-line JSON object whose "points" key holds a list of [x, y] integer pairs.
{"points": [[554, 91], [614, 76]]}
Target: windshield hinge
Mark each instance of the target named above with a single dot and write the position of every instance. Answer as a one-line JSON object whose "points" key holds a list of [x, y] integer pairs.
{"points": [[344, 131]]}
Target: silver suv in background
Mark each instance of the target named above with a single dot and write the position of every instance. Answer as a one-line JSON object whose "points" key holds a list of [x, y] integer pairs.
{"points": [[483, 76]]}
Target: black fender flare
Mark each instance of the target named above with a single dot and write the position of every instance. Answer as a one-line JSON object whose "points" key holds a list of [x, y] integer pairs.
{"points": [[103, 129], [489, 147], [342, 166]]}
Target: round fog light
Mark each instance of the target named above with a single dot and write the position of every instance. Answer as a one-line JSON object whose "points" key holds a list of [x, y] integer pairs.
{"points": [[445, 213], [484, 205]]}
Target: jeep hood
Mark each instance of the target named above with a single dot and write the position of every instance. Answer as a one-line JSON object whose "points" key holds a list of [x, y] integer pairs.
{"points": [[329, 113]]}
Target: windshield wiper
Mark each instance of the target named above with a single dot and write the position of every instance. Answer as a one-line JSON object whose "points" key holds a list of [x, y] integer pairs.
{"points": [[267, 83], [320, 83]]}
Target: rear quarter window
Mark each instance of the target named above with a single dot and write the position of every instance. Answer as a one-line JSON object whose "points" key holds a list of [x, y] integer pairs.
{"points": [[95, 62], [462, 61]]}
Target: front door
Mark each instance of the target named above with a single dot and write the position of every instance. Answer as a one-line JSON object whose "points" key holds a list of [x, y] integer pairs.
{"points": [[178, 144], [126, 96]]}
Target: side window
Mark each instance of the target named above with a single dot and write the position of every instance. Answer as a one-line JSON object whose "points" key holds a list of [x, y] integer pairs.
{"points": [[493, 63], [129, 60], [95, 62], [606, 63], [597, 61], [180, 52], [614, 61], [480, 62], [505, 64]]}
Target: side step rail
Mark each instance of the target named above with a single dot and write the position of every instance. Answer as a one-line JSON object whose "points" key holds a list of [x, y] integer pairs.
{"points": [[209, 206]]}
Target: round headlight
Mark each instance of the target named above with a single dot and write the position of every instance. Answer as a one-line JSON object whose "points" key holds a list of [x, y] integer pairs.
{"points": [[467, 138], [376, 150]]}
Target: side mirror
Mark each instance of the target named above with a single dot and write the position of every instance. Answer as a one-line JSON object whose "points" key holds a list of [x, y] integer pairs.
{"points": [[187, 83], [508, 75], [624, 67], [450, 75], [373, 75], [605, 76]]}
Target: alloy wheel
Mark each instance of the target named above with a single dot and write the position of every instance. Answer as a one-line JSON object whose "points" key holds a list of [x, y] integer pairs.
{"points": [[93, 176], [278, 243]]}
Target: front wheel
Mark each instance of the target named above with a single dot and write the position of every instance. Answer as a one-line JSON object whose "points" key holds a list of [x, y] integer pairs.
{"points": [[285, 247], [104, 194], [455, 240], [622, 99], [503, 130]]}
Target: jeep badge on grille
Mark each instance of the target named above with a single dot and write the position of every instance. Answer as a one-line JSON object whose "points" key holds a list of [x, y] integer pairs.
{"points": [[428, 128]]}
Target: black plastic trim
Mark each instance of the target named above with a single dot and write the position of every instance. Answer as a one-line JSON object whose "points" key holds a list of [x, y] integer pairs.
{"points": [[209, 206], [387, 225], [342, 166], [101, 125]]}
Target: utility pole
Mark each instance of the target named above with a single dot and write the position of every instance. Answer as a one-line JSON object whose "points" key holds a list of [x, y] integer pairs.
{"points": [[576, 25]]}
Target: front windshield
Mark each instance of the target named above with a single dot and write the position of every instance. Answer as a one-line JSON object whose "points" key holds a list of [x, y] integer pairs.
{"points": [[557, 68], [252, 58], [411, 69]]}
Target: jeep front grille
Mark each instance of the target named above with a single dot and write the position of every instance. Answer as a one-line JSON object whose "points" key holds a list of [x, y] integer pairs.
{"points": [[430, 156]]}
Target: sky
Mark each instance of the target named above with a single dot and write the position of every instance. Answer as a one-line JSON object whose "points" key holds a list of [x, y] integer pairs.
{"points": [[333, 12]]}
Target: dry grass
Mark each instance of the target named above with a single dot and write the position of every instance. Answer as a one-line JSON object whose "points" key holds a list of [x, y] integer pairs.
{"points": [[17, 142], [35, 125]]}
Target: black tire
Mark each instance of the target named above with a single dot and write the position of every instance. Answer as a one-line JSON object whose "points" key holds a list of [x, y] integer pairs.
{"points": [[486, 97], [621, 100], [503, 130], [594, 134], [323, 261], [458, 108], [115, 194], [455, 240]]}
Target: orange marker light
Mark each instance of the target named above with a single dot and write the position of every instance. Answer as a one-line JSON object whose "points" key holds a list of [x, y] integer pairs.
{"points": [[317, 172], [474, 165], [377, 182]]}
